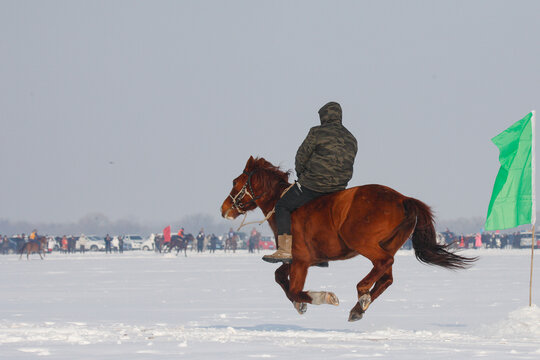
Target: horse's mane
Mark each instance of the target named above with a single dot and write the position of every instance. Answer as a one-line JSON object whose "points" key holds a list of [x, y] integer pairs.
{"points": [[271, 175]]}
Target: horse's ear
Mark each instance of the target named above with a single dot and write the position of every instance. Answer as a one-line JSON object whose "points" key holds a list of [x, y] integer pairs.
{"points": [[250, 162]]}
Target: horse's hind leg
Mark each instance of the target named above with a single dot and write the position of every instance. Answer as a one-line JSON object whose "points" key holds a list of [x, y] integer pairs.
{"points": [[382, 284], [382, 263]]}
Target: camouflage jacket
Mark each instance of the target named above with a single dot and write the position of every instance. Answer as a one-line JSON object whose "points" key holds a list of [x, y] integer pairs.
{"points": [[324, 161]]}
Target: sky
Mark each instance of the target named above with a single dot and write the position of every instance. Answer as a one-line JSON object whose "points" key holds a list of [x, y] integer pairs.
{"points": [[147, 110]]}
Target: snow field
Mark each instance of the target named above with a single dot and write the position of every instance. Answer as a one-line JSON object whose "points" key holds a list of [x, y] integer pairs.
{"points": [[227, 306]]}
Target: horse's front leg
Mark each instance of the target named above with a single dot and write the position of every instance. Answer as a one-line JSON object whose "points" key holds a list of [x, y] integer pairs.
{"points": [[282, 277], [299, 298]]}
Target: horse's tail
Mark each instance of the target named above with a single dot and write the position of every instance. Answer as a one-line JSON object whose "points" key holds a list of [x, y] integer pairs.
{"points": [[424, 239]]}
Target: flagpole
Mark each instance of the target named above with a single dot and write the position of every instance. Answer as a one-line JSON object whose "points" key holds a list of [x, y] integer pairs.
{"points": [[533, 215]]}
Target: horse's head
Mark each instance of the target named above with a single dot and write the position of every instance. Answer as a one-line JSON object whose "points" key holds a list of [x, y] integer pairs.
{"points": [[257, 181]]}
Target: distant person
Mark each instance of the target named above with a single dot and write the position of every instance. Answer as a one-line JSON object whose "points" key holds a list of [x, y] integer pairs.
{"points": [[65, 244], [108, 241], [200, 240], [228, 240], [251, 241], [213, 243], [72, 244], [234, 243], [120, 244], [82, 243], [5, 245], [33, 236], [158, 241]]}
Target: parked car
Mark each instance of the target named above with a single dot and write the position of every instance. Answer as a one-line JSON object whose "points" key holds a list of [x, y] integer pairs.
{"points": [[148, 244], [91, 242], [133, 242], [267, 243], [525, 239]]}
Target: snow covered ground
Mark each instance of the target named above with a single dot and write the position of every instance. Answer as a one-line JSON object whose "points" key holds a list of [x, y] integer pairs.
{"points": [[227, 306]]}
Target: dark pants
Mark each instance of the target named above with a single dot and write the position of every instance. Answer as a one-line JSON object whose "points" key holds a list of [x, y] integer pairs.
{"points": [[292, 200]]}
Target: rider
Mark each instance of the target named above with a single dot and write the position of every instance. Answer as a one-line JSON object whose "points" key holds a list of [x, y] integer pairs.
{"points": [[323, 164], [33, 236]]}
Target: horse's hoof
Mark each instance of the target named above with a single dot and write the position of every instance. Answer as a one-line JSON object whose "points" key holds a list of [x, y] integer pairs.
{"points": [[323, 297], [364, 301], [300, 307], [332, 299], [355, 316]]}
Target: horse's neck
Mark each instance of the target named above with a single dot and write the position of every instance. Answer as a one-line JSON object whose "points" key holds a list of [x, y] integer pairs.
{"points": [[269, 203]]}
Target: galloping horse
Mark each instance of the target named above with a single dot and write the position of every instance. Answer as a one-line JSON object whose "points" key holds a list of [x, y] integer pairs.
{"points": [[34, 246], [371, 220], [179, 243]]}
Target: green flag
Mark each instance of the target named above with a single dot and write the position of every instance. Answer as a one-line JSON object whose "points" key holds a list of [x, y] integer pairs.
{"points": [[512, 201]]}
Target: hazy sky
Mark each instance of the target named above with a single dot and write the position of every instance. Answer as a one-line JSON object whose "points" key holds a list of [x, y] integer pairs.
{"points": [[148, 109]]}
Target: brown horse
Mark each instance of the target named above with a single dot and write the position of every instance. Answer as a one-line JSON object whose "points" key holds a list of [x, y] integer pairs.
{"points": [[371, 220], [179, 243], [34, 246]]}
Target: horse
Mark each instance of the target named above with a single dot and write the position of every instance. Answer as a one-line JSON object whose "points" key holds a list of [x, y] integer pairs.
{"points": [[34, 246], [179, 243], [371, 220], [231, 244]]}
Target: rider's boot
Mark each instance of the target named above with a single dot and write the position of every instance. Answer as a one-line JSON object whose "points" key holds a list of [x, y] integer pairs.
{"points": [[283, 252]]}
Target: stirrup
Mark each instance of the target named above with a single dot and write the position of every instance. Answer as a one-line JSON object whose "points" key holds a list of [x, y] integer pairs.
{"points": [[273, 260]]}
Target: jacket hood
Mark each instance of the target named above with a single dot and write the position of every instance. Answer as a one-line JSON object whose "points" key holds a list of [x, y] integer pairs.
{"points": [[330, 112]]}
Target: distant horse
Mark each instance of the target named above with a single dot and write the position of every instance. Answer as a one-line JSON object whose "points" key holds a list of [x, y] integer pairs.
{"points": [[179, 243], [371, 220], [34, 246], [231, 244]]}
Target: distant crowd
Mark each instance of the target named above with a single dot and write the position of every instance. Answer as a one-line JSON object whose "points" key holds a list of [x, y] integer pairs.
{"points": [[230, 241], [158, 242], [486, 240]]}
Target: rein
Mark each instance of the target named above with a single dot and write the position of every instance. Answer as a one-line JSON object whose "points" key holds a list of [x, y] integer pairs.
{"points": [[268, 216]]}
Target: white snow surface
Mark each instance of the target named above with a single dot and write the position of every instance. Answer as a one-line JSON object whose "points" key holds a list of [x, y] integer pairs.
{"points": [[227, 306]]}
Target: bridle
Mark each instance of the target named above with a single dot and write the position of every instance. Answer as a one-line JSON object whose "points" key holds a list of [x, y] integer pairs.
{"points": [[240, 206], [247, 189]]}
